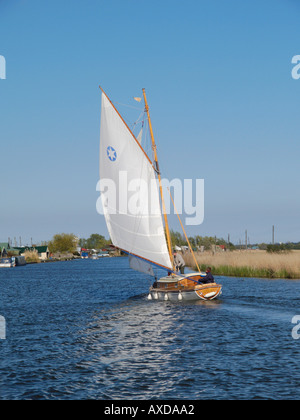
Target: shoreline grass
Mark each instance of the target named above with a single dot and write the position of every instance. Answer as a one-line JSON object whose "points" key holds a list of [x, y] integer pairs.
{"points": [[31, 257], [248, 264]]}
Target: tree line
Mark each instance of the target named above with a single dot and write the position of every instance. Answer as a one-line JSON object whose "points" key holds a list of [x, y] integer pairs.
{"points": [[198, 241], [65, 242], [68, 242]]}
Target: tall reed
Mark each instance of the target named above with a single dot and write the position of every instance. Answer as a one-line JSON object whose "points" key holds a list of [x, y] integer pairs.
{"points": [[249, 263], [32, 256]]}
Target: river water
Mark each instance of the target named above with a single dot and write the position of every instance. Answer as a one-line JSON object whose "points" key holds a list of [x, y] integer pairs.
{"points": [[85, 330]]}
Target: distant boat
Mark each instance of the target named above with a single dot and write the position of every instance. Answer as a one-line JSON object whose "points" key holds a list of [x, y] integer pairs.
{"points": [[103, 254], [20, 260], [142, 234], [7, 262]]}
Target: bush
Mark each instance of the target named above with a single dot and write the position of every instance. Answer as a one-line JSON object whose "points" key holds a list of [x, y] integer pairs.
{"points": [[277, 248], [32, 256]]}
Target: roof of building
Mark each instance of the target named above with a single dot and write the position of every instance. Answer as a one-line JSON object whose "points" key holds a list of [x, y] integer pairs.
{"points": [[39, 249]]}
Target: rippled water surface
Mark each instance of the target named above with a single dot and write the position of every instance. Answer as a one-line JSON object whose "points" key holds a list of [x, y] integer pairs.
{"points": [[85, 329]]}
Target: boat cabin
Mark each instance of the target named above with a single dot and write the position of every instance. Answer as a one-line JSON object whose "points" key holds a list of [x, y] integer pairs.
{"points": [[178, 282]]}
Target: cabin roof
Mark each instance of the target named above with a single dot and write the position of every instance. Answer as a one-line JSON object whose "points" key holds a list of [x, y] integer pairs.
{"points": [[39, 249]]}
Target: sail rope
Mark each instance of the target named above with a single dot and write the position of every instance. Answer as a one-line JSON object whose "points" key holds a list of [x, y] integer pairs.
{"points": [[128, 106], [138, 121]]}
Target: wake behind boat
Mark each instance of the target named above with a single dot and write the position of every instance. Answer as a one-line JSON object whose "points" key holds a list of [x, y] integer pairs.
{"points": [[134, 208]]}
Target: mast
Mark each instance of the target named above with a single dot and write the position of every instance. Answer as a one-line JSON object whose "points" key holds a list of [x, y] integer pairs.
{"points": [[159, 179], [186, 237]]}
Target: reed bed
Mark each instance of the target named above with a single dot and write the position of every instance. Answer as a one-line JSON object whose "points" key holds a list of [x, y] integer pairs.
{"points": [[248, 263], [32, 257]]}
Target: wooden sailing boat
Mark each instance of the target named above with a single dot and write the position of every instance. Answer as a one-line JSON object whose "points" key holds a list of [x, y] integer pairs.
{"points": [[132, 208]]}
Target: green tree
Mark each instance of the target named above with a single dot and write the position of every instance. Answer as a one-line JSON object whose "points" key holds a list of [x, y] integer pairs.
{"points": [[63, 242], [278, 248], [206, 241], [177, 239], [95, 241]]}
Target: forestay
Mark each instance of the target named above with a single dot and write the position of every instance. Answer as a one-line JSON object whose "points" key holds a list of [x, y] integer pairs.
{"points": [[130, 200]]}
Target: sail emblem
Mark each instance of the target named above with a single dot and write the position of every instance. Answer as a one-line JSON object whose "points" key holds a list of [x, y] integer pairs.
{"points": [[112, 154]]}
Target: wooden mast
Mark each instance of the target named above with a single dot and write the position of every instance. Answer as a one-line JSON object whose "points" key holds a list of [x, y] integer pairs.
{"points": [[186, 237], [159, 180]]}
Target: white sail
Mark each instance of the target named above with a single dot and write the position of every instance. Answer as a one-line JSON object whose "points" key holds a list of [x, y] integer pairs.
{"points": [[139, 137], [143, 266], [131, 203]]}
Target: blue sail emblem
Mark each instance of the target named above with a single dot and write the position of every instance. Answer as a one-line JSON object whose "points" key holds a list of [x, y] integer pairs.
{"points": [[112, 154]]}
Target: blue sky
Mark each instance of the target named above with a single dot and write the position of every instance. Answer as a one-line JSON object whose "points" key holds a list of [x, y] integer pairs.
{"points": [[223, 103]]}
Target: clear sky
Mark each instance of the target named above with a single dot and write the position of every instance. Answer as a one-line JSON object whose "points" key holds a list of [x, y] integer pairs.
{"points": [[223, 103]]}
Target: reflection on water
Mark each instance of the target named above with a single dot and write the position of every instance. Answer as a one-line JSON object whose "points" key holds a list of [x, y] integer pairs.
{"points": [[85, 329], [135, 343], [137, 347]]}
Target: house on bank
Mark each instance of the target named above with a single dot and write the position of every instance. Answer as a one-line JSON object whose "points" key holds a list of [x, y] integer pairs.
{"points": [[4, 248], [43, 251]]}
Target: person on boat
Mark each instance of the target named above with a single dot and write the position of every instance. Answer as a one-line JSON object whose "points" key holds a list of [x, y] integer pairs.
{"points": [[209, 278], [179, 262]]}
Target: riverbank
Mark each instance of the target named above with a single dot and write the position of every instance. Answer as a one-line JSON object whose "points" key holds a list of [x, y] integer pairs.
{"points": [[249, 263], [62, 259]]}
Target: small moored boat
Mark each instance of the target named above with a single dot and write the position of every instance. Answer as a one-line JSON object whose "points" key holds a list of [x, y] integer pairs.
{"points": [[7, 262]]}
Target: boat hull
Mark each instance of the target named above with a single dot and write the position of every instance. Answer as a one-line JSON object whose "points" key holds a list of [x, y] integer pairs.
{"points": [[178, 288], [7, 262], [186, 295]]}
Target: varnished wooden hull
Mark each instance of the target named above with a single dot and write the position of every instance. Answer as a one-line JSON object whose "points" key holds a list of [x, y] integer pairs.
{"points": [[184, 289]]}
